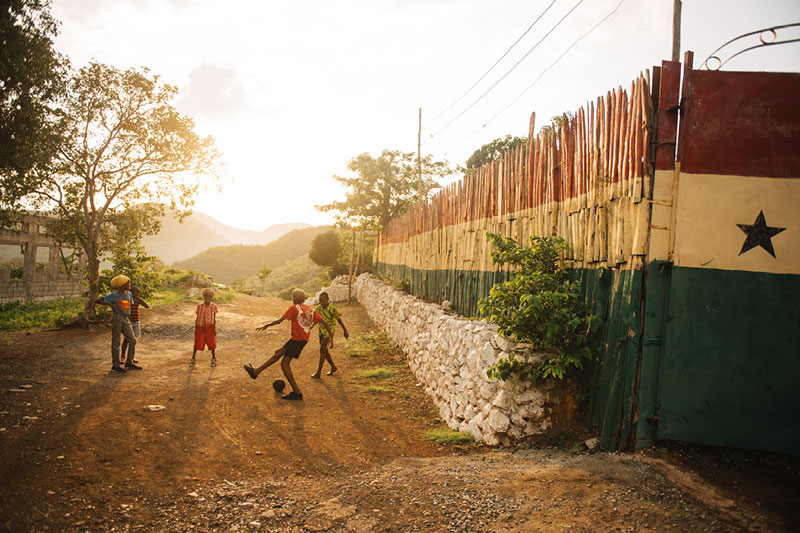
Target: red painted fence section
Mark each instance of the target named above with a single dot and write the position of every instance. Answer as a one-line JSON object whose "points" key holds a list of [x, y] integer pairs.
{"points": [[742, 124]]}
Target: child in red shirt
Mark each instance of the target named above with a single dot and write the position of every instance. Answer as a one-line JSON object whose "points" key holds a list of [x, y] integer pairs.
{"points": [[205, 327], [302, 318]]}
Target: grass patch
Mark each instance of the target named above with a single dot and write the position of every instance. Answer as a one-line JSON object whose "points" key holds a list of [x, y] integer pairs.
{"points": [[375, 373], [448, 436], [377, 390], [39, 315], [367, 343]]}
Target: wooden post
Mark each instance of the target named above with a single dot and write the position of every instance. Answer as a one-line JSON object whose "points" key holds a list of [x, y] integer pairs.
{"points": [[419, 157], [676, 30], [352, 265]]}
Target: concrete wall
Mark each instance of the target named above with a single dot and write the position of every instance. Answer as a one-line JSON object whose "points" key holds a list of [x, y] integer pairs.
{"points": [[43, 288], [36, 286]]}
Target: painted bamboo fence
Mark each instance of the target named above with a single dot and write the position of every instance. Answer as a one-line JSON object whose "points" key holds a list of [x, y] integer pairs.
{"points": [[583, 178]]}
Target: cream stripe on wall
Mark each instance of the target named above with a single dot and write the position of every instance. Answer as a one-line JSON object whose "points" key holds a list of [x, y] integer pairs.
{"points": [[606, 235], [710, 210]]}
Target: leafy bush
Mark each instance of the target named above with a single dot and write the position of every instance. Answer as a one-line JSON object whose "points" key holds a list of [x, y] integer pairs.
{"points": [[539, 306]]}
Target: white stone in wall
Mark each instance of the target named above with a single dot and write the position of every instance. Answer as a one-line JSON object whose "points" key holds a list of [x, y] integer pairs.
{"points": [[487, 391], [475, 429], [498, 421], [489, 355]]}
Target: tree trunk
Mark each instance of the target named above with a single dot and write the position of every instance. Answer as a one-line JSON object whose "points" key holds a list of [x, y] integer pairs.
{"points": [[93, 280]]}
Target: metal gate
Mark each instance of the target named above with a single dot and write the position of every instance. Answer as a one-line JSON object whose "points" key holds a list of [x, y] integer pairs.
{"points": [[720, 348]]}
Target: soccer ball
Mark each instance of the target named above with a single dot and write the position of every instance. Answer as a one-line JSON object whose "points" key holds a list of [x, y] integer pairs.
{"points": [[278, 385]]}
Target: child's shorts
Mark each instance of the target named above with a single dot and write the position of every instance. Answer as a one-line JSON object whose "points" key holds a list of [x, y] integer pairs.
{"points": [[204, 335], [136, 327], [293, 348]]}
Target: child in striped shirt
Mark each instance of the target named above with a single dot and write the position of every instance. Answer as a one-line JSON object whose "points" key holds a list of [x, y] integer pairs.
{"points": [[135, 325], [205, 327]]}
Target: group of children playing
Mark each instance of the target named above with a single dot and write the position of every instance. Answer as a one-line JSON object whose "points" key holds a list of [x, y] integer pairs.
{"points": [[125, 302]]}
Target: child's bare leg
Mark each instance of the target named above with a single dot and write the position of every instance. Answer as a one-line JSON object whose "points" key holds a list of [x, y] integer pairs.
{"points": [[287, 371], [194, 352], [213, 358], [322, 350], [330, 362], [254, 372]]}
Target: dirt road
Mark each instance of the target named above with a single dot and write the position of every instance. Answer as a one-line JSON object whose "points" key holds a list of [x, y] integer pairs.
{"points": [[82, 450]]}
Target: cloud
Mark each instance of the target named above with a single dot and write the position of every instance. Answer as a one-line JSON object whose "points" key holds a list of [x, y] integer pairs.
{"points": [[215, 93]]}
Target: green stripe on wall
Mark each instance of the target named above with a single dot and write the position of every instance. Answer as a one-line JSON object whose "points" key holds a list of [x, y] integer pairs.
{"points": [[732, 360], [614, 296]]}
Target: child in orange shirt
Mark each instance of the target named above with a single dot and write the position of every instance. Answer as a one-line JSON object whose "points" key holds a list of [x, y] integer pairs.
{"points": [[302, 318]]}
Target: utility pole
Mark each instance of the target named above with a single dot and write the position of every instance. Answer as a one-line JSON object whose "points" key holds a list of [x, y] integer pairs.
{"points": [[419, 159], [676, 30]]}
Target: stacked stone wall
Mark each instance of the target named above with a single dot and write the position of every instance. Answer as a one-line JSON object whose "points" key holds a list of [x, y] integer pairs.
{"points": [[450, 355]]}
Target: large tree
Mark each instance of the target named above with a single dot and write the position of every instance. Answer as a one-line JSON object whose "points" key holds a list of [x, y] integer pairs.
{"points": [[384, 187], [126, 152], [31, 77]]}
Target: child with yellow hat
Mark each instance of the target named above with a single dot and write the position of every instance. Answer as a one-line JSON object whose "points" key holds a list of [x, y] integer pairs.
{"points": [[120, 301]]}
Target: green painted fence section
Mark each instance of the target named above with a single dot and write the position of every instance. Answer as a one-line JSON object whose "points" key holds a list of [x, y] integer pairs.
{"points": [[615, 297], [730, 374], [463, 288]]}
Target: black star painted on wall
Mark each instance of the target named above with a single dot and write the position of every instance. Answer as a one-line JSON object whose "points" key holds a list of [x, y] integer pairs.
{"points": [[759, 234]]}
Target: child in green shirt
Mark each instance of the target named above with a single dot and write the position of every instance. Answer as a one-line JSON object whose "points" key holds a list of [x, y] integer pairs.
{"points": [[331, 315]]}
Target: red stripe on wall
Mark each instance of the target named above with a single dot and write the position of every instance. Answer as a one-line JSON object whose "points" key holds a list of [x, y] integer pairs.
{"points": [[742, 124]]}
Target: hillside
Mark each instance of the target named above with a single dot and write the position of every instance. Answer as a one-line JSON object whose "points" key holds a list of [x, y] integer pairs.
{"points": [[223, 263], [181, 240], [301, 272]]}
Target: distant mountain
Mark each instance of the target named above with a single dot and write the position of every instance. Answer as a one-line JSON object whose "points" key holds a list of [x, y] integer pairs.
{"points": [[199, 232], [224, 263]]}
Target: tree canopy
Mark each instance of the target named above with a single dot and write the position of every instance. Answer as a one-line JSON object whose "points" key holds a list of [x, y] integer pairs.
{"points": [[125, 152], [384, 187], [32, 75], [325, 249], [494, 150]]}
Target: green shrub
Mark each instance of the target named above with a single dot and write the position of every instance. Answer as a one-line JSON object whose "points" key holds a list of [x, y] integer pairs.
{"points": [[539, 306]]}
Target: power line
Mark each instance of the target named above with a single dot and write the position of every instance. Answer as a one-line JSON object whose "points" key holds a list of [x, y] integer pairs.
{"points": [[495, 63], [576, 41], [509, 70]]}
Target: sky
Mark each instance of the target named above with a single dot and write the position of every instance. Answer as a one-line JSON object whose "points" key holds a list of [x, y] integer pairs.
{"points": [[292, 91]]}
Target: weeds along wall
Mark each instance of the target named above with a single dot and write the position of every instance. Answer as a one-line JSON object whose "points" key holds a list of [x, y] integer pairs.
{"points": [[585, 178]]}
